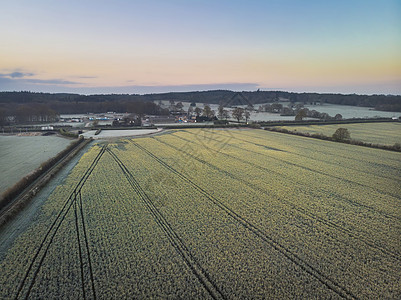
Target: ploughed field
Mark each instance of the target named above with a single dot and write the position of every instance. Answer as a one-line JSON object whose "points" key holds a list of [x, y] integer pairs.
{"points": [[219, 214]]}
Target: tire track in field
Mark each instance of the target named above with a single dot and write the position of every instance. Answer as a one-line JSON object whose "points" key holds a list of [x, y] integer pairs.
{"points": [[349, 201], [177, 243], [303, 265], [310, 169], [79, 199], [49, 236], [81, 264], [323, 152], [293, 206]]}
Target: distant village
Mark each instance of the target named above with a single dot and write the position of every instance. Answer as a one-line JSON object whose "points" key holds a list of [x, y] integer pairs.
{"points": [[235, 109]]}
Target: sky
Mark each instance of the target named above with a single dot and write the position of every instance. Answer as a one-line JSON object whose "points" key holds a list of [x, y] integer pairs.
{"points": [[153, 46]]}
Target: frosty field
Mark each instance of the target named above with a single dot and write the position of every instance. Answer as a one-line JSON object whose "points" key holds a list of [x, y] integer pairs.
{"points": [[20, 155], [216, 214], [118, 133]]}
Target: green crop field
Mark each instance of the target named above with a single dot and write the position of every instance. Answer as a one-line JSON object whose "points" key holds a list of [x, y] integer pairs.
{"points": [[219, 214], [376, 133]]}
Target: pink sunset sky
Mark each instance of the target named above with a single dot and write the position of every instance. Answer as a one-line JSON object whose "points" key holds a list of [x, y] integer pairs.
{"points": [[175, 45]]}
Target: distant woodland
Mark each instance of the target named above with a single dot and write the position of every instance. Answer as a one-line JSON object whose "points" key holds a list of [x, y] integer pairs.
{"points": [[29, 106]]}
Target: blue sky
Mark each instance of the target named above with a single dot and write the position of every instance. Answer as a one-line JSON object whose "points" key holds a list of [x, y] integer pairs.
{"points": [[158, 46]]}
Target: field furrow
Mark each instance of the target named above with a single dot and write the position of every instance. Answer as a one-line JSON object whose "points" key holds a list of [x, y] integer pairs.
{"points": [[292, 174], [215, 214], [347, 166], [323, 209], [326, 152], [175, 240], [192, 215]]}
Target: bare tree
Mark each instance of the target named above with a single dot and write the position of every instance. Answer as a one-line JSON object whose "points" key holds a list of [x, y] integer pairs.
{"points": [[208, 112], [338, 117], [179, 106], [238, 113], [220, 111], [247, 115], [172, 104], [198, 111], [300, 115], [226, 114]]}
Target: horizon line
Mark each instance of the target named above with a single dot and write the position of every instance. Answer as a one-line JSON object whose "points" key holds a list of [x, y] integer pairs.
{"points": [[198, 91]]}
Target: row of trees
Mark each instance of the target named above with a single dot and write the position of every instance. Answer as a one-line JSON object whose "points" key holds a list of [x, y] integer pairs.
{"points": [[381, 102], [306, 113], [297, 110], [38, 112], [28, 113], [121, 106], [237, 113]]}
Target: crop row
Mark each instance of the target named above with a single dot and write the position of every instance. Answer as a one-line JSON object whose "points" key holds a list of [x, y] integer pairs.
{"points": [[348, 182], [362, 159], [47, 231], [214, 214], [317, 157], [175, 240], [329, 245], [254, 161], [312, 181], [326, 202], [387, 133], [132, 254], [222, 241]]}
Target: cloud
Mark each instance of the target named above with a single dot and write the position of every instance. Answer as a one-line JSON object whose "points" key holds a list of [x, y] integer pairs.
{"points": [[50, 81], [16, 74], [61, 86], [87, 77], [235, 86], [20, 74], [153, 89], [67, 86], [18, 79]]}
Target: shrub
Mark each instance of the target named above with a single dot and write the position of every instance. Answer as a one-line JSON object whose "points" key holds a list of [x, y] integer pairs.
{"points": [[341, 134], [255, 125], [319, 136], [68, 133], [397, 146], [220, 122]]}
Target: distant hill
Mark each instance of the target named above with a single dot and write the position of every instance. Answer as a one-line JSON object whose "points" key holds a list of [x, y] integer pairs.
{"points": [[75, 103]]}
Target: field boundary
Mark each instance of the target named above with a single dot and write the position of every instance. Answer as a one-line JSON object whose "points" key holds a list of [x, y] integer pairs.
{"points": [[325, 122]]}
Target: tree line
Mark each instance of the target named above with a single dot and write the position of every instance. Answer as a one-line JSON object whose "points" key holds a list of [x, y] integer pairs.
{"points": [[42, 107], [36, 112], [224, 97]]}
